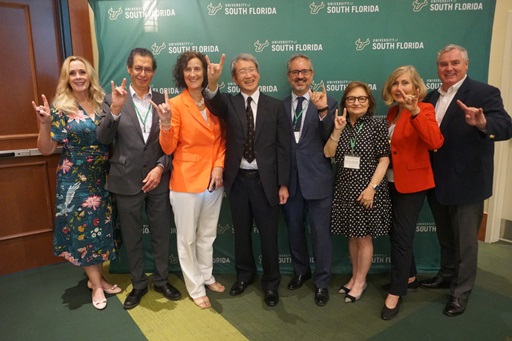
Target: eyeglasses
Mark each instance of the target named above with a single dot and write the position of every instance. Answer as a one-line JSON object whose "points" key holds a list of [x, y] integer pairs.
{"points": [[360, 99], [244, 72], [295, 73], [139, 69]]}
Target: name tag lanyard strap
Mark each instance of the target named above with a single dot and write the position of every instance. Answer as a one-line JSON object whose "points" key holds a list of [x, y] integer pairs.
{"points": [[353, 139], [143, 120]]}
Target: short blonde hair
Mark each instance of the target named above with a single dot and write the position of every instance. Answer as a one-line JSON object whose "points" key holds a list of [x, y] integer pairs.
{"points": [[416, 80]]}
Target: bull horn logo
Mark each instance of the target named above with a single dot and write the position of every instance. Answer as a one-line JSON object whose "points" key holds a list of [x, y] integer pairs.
{"points": [[112, 15], [314, 8], [360, 45], [157, 49], [417, 6], [212, 10], [259, 46]]}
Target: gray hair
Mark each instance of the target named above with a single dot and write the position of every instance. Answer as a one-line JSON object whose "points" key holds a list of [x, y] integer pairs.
{"points": [[243, 56], [298, 55], [450, 47]]}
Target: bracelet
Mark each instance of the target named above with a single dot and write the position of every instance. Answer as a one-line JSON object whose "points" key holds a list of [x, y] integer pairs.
{"points": [[332, 138], [323, 109]]}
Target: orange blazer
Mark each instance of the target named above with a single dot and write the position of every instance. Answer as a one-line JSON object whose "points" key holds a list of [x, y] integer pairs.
{"points": [[197, 145], [412, 139]]}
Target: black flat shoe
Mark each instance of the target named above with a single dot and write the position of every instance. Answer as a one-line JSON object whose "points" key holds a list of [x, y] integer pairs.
{"points": [[321, 296], [298, 281], [238, 288], [134, 298], [271, 298], [455, 307], [390, 313], [435, 283], [169, 292]]}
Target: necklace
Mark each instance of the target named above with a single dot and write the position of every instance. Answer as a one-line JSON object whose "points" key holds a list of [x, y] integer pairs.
{"points": [[200, 103]]}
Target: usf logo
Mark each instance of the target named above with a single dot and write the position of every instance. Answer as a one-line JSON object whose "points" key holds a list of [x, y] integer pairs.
{"points": [[112, 15], [222, 86], [212, 10], [223, 228], [314, 8], [157, 49], [258, 47], [418, 5], [360, 45], [174, 259], [316, 87]]}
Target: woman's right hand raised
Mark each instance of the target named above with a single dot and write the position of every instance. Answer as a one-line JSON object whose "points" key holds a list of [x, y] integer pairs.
{"points": [[163, 110], [214, 72], [43, 111], [340, 121]]}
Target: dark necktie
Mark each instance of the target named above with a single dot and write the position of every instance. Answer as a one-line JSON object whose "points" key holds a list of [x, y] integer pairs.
{"points": [[249, 142], [297, 120]]}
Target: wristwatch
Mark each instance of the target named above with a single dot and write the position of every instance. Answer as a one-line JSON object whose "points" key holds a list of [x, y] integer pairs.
{"points": [[375, 186]]}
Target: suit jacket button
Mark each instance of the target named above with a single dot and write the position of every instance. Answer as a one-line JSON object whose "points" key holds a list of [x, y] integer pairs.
{"points": [[491, 136]]}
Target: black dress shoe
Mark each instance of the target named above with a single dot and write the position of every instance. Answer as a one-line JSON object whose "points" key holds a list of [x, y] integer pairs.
{"points": [[411, 287], [388, 313], [297, 281], [271, 298], [321, 296], [238, 288], [170, 292], [435, 283], [455, 306], [134, 297]]}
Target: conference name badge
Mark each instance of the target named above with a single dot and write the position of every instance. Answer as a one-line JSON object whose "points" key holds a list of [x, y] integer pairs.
{"points": [[352, 162]]}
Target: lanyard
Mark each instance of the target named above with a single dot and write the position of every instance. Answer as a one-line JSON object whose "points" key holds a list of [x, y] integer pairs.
{"points": [[143, 120], [353, 139]]}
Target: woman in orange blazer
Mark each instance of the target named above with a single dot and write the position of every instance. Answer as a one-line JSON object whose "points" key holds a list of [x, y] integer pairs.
{"points": [[195, 137], [413, 131]]}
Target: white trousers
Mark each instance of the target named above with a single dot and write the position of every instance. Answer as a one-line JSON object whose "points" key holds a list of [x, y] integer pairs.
{"points": [[196, 218]]}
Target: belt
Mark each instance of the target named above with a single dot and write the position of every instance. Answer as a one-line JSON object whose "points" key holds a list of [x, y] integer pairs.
{"points": [[249, 173]]}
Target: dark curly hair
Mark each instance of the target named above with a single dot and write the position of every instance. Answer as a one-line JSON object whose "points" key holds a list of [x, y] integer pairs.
{"points": [[181, 64]]}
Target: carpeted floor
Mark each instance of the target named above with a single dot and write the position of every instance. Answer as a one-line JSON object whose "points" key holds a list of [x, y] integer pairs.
{"points": [[53, 303]]}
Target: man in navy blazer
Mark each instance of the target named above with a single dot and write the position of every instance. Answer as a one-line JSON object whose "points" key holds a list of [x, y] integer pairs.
{"points": [[311, 178], [471, 118], [256, 178]]}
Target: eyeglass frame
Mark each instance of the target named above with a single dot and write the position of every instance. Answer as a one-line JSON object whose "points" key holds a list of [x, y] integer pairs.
{"points": [[139, 69], [304, 72], [352, 99]]}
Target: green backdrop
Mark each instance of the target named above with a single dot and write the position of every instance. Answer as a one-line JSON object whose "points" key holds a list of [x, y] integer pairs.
{"points": [[347, 40]]}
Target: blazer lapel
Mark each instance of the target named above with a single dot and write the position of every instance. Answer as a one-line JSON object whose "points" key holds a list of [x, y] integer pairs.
{"points": [[239, 103], [453, 109], [311, 118]]}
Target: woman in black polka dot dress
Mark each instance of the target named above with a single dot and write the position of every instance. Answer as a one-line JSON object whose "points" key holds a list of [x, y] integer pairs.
{"points": [[361, 207]]}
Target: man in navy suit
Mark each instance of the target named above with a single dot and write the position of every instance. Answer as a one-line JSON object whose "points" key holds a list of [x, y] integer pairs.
{"points": [[256, 168], [471, 117], [311, 116]]}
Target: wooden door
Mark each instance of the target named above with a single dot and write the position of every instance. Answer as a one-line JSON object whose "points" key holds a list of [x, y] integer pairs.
{"points": [[30, 60]]}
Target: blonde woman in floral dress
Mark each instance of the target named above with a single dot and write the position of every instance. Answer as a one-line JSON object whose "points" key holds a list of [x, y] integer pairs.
{"points": [[83, 227]]}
